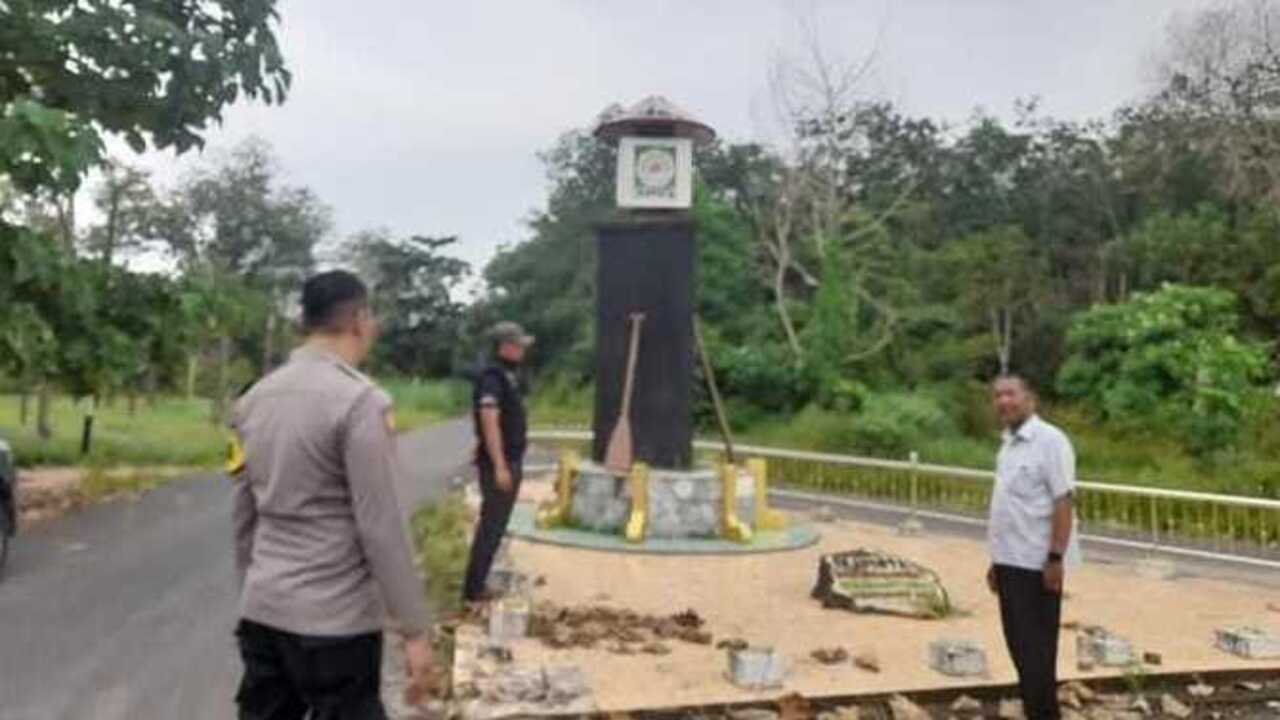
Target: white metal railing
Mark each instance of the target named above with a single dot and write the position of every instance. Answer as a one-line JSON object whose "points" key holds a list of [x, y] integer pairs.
{"points": [[1212, 521]]}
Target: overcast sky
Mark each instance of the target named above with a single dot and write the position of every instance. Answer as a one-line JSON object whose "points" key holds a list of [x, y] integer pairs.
{"points": [[426, 117]]}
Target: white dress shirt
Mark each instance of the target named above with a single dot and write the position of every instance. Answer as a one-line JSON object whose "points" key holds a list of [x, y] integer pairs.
{"points": [[1036, 467]]}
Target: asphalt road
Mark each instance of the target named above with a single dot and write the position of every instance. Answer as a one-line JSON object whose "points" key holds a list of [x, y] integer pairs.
{"points": [[125, 611]]}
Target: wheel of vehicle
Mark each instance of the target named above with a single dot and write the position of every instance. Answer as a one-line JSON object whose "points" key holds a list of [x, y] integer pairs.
{"points": [[5, 533]]}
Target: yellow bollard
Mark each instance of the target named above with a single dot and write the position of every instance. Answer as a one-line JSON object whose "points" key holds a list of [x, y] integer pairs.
{"points": [[766, 518], [634, 532], [556, 513], [731, 527]]}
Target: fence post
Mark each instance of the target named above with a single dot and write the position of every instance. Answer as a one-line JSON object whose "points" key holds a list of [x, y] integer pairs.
{"points": [[1155, 522], [911, 525]]}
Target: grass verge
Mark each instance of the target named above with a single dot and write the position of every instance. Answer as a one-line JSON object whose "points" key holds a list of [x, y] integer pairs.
{"points": [[440, 537], [422, 402]]}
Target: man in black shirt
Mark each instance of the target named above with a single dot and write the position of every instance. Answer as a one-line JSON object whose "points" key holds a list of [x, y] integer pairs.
{"points": [[501, 437]]}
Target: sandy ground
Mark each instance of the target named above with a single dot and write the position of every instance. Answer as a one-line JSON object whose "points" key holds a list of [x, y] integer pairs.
{"points": [[764, 599]]}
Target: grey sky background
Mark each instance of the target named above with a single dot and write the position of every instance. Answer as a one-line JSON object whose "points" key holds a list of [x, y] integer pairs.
{"points": [[427, 117]]}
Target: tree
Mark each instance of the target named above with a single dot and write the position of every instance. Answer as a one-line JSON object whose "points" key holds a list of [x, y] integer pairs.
{"points": [[1167, 357], [142, 69], [999, 279], [412, 288], [127, 203]]}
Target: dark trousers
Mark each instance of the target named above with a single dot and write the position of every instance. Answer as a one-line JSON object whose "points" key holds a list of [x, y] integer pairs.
{"points": [[1031, 615], [287, 675], [495, 513]]}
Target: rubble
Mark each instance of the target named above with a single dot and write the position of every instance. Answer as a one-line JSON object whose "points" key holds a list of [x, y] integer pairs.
{"points": [[1200, 690], [965, 705], [873, 581], [1011, 710], [867, 660], [1169, 705], [958, 658], [590, 626], [1249, 686], [830, 656], [753, 714], [903, 709], [1080, 690], [844, 712]]}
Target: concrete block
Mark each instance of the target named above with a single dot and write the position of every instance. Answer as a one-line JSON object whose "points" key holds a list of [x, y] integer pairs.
{"points": [[1248, 642], [958, 658], [508, 620], [756, 668], [1097, 646]]}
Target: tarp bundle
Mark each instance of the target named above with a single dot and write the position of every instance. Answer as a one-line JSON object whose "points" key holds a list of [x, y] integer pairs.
{"points": [[865, 580]]}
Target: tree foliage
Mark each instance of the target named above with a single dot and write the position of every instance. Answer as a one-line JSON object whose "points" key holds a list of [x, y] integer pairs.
{"points": [[1175, 350]]}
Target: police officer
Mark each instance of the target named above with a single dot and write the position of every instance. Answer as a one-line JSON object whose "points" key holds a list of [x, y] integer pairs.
{"points": [[1032, 535], [321, 548], [501, 429]]}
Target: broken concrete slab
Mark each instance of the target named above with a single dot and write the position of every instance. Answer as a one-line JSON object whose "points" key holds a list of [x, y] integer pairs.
{"points": [[1248, 642], [864, 580], [958, 658]]}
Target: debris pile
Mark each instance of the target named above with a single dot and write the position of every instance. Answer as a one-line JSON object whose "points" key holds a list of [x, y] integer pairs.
{"points": [[620, 631], [873, 581]]}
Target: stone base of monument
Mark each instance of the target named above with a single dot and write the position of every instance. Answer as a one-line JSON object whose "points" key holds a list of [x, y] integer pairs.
{"points": [[681, 503], [720, 509]]}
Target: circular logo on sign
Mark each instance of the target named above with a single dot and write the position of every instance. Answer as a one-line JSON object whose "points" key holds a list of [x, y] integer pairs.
{"points": [[656, 167]]}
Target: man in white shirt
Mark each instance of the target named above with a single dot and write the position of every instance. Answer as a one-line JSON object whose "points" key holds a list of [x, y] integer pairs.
{"points": [[1031, 534]]}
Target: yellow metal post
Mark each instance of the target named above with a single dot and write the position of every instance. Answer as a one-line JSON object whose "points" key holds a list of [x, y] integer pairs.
{"points": [[556, 512], [730, 526], [635, 529], [766, 517]]}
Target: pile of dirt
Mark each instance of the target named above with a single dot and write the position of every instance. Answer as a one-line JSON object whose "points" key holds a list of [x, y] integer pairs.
{"points": [[617, 630]]}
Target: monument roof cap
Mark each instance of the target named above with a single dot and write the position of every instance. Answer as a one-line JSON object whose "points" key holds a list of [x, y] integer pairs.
{"points": [[653, 116]]}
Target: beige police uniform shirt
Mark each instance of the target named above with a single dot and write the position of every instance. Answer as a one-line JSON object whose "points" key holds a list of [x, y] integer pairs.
{"points": [[321, 545], [1035, 467]]}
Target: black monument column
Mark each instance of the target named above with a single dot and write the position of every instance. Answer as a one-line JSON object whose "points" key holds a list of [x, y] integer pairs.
{"points": [[646, 265]]}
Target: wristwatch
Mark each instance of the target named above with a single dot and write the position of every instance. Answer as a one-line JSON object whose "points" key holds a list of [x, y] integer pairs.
{"points": [[1055, 557]]}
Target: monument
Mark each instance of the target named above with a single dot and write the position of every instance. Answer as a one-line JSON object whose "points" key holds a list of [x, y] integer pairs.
{"points": [[641, 479]]}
